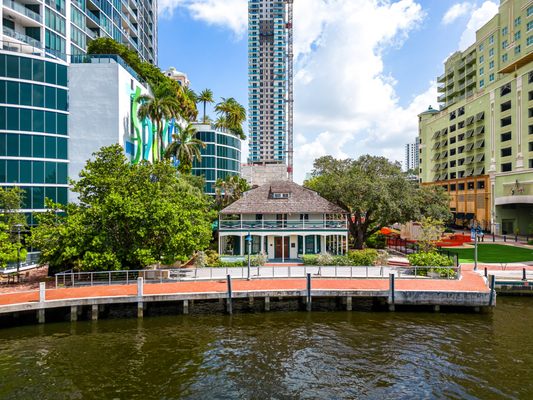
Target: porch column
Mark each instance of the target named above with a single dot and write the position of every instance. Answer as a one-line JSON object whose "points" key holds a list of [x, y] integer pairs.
{"points": [[243, 243], [303, 243], [282, 248], [262, 244], [323, 243]]}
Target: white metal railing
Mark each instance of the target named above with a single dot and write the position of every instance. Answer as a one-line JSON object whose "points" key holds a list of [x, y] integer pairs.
{"points": [[283, 224], [70, 278]]}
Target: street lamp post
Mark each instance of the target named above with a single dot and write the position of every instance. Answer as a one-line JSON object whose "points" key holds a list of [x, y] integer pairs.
{"points": [[249, 240], [474, 234]]}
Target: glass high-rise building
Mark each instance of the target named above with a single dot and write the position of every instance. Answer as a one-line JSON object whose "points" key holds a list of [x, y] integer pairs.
{"points": [[63, 27], [268, 81], [38, 38]]}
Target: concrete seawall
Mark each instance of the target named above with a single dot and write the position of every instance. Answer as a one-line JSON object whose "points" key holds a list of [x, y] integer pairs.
{"points": [[471, 293]]}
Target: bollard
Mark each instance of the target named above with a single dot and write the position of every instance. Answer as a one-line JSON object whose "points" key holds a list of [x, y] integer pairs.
{"points": [[493, 238], [229, 305], [308, 303], [515, 238], [492, 280], [391, 292], [524, 277], [504, 238], [486, 272]]}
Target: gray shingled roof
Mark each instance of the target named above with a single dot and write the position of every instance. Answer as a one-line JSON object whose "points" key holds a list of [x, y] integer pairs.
{"points": [[301, 200]]}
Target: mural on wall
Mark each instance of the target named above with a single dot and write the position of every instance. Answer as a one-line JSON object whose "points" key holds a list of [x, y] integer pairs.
{"points": [[143, 134]]}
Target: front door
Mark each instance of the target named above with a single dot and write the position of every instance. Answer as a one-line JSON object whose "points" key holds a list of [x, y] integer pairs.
{"points": [[280, 252]]}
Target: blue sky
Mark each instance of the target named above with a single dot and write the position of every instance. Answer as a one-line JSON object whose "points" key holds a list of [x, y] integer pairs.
{"points": [[365, 67]]}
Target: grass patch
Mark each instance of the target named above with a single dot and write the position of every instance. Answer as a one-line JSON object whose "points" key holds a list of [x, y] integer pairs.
{"points": [[494, 253]]}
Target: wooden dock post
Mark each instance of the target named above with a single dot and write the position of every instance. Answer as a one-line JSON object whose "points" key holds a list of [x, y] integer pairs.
{"points": [[94, 312], [229, 304], [73, 313], [492, 298], [42, 299], [391, 292], [308, 299], [140, 294], [349, 303], [185, 307], [267, 303]]}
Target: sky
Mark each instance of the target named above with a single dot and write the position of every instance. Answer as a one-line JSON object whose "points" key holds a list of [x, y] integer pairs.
{"points": [[364, 69]]}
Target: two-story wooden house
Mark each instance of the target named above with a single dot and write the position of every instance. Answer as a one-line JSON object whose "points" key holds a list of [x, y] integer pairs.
{"points": [[285, 220]]}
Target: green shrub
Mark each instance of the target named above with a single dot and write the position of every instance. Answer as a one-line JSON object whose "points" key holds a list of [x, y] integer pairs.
{"points": [[342, 261], [309, 259], [324, 259], [258, 260], [429, 259], [432, 259], [448, 230], [530, 242], [232, 264], [363, 257], [376, 241]]}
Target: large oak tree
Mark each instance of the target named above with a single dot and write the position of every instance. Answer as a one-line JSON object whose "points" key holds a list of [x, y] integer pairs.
{"points": [[376, 193], [128, 216]]}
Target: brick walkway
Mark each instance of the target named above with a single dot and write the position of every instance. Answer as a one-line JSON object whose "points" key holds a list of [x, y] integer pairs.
{"points": [[470, 282]]}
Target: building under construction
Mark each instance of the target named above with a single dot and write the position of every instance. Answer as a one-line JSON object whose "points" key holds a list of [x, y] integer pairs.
{"points": [[270, 66]]}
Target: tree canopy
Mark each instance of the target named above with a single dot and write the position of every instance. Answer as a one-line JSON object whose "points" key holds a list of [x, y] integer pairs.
{"points": [[375, 193], [128, 217]]}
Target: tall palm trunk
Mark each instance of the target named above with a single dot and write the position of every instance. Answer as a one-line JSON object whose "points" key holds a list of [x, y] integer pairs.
{"points": [[205, 103]]}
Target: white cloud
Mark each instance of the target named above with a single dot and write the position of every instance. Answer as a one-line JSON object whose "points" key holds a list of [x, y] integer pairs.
{"points": [[479, 17], [456, 11], [231, 14], [344, 103]]}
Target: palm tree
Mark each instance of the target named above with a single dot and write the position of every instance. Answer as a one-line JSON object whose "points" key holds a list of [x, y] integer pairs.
{"points": [[185, 148], [229, 190], [206, 96], [233, 115], [162, 106]]}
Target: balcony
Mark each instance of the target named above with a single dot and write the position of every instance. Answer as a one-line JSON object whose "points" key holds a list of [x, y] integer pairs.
{"points": [[441, 98], [23, 38], [286, 225], [19, 8], [441, 78]]}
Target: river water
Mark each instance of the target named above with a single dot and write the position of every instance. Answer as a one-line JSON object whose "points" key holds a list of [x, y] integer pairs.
{"points": [[293, 355]]}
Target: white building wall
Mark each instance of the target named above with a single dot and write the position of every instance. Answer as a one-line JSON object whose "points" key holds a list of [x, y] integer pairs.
{"points": [[100, 108]]}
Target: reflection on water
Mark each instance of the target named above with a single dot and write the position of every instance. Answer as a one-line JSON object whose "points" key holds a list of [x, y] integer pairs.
{"points": [[276, 355]]}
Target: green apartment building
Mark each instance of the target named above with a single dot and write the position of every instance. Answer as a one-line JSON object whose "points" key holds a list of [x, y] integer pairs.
{"points": [[479, 145]]}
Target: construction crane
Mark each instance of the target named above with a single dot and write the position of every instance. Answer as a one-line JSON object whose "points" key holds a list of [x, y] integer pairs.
{"points": [[290, 90]]}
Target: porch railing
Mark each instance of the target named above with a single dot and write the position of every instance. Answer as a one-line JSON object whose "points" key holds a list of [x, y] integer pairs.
{"points": [[70, 279], [283, 224]]}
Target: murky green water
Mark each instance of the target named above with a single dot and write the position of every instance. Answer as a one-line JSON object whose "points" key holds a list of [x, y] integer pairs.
{"points": [[276, 356]]}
